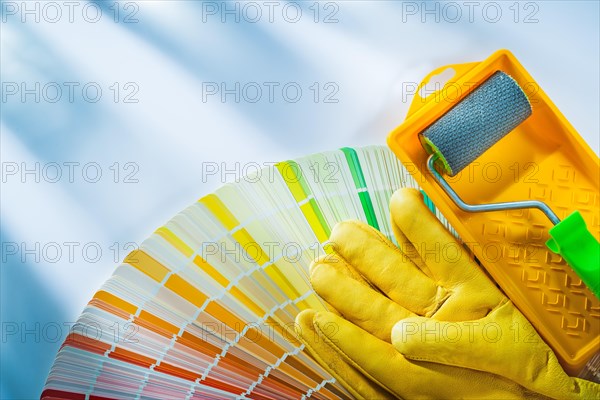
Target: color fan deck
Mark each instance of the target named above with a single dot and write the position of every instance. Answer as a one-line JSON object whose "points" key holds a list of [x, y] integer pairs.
{"points": [[205, 308]]}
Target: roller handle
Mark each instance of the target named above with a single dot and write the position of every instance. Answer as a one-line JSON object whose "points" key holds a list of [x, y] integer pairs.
{"points": [[573, 241]]}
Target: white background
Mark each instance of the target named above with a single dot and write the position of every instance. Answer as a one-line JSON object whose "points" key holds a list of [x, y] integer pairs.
{"points": [[168, 52]]}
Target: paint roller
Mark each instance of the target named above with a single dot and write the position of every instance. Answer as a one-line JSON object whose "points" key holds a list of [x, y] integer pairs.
{"points": [[487, 114]]}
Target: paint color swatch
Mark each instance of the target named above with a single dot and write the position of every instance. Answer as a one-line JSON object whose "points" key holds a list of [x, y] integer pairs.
{"points": [[205, 307]]}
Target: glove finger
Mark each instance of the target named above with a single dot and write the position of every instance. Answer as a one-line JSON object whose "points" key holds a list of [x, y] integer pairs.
{"points": [[408, 379], [410, 251], [446, 259], [359, 386], [356, 302], [341, 265], [335, 261], [361, 350], [384, 265]]}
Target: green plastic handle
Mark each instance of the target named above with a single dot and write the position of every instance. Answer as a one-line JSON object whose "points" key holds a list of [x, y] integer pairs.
{"points": [[573, 241]]}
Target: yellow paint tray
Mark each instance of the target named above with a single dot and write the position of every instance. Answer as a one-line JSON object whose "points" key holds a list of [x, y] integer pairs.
{"points": [[545, 159]]}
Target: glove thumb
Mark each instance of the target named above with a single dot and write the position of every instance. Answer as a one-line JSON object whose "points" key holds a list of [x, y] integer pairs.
{"points": [[503, 343], [463, 344]]}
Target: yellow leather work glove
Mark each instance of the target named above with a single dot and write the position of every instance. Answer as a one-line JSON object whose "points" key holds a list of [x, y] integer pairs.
{"points": [[371, 285]]}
